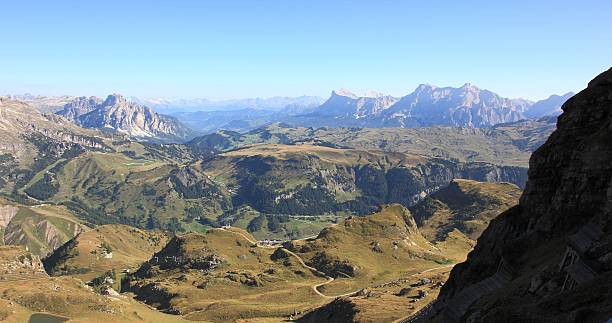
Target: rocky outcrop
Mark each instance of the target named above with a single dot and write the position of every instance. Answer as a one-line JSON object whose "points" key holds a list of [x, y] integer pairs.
{"points": [[333, 266], [126, 117], [7, 212], [340, 310], [546, 259], [17, 262]]}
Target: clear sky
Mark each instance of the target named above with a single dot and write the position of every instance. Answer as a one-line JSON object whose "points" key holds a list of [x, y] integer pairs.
{"points": [[234, 49]]}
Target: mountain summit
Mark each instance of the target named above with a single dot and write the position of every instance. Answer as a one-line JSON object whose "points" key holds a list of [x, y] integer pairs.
{"points": [[133, 119], [428, 105]]}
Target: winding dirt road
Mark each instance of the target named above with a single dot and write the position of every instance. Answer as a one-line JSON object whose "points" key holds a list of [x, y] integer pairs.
{"points": [[315, 271]]}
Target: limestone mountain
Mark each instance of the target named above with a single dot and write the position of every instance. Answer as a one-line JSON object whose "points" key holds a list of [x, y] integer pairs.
{"points": [[550, 257], [550, 106], [119, 114], [79, 106], [426, 106], [343, 103], [467, 106]]}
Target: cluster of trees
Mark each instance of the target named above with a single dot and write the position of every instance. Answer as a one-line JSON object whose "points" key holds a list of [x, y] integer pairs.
{"points": [[44, 188], [274, 222]]}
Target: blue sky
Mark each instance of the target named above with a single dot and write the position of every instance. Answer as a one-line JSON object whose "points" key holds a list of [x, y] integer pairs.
{"points": [[234, 49]]}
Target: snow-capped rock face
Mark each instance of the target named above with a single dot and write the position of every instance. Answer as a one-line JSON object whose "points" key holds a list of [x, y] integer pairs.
{"points": [[124, 116]]}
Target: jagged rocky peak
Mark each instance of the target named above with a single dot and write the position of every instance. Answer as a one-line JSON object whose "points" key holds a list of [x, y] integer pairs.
{"points": [[550, 257], [347, 104], [425, 87], [373, 94], [115, 99], [344, 92], [117, 112], [85, 101], [470, 87]]}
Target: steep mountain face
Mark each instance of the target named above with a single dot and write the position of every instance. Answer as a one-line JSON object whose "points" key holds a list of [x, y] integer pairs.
{"points": [[343, 103], [548, 107], [74, 109], [126, 117], [313, 180], [467, 106], [550, 257]]}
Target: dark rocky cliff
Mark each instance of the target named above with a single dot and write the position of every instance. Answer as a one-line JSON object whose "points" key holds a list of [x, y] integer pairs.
{"points": [[550, 257]]}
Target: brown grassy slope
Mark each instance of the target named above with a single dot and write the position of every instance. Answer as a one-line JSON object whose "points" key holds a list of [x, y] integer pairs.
{"points": [[84, 257], [465, 205], [249, 282], [368, 250], [25, 289]]}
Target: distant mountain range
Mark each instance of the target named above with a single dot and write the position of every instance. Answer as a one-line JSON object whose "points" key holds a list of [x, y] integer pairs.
{"points": [[466, 106], [171, 106], [428, 105]]}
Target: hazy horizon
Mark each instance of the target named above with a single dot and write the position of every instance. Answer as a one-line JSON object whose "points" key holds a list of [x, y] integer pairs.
{"points": [[365, 93], [241, 49]]}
